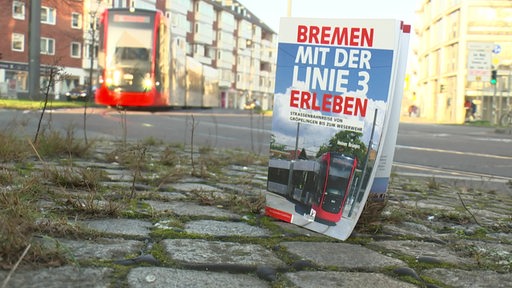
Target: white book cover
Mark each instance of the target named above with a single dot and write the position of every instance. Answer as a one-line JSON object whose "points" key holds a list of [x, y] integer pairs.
{"points": [[334, 87]]}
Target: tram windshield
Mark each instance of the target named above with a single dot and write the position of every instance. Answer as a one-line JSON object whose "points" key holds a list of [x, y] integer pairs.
{"points": [[129, 55], [339, 175]]}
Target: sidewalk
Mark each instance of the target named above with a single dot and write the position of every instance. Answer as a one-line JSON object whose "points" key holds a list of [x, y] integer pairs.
{"points": [[199, 231]]}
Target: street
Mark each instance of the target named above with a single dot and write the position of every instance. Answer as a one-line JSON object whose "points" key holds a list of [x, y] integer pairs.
{"points": [[454, 151], [424, 150]]}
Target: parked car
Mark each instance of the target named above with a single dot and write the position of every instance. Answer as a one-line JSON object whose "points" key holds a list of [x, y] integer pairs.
{"points": [[79, 93], [253, 105]]}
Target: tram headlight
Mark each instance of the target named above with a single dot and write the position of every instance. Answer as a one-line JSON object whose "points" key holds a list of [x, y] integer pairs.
{"points": [[117, 77], [147, 83]]}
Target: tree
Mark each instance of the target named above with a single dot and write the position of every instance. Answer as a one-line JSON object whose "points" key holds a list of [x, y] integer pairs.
{"points": [[92, 32], [274, 145], [347, 142]]}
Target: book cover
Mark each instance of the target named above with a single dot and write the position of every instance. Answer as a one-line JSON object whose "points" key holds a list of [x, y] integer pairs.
{"points": [[334, 85]]}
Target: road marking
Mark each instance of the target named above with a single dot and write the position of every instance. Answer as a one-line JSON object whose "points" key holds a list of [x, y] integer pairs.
{"points": [[494, 140], [454, 152], [452, 177], [449, 173]]}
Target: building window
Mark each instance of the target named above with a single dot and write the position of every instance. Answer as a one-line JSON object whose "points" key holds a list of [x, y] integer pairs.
{"points": [[75, 49], [48, 15], [47, 46], [88, 51], [18, 42], [18, 10], [119, 4], [76, 20]]}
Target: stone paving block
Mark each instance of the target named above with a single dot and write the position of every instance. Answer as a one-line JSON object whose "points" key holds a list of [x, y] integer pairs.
{"points": [[322, 279], [129, 227], [202, 189], [424, 249], [191, 209], [342, 255], [490, 252], [408, 228], [470, 279], [99, 165], [103, 248], [501, 237], [203, 252], [188, 187], [65, 276], [170, 195], [186, 179], [429, 205], [119, 175], [297, 230], [241, 190], [225, 228], [128, 186], [156, 277]]}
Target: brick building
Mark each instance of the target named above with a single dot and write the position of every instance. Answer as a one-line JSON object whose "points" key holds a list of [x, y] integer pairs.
{"points": [[61, 43], [221, 34]]}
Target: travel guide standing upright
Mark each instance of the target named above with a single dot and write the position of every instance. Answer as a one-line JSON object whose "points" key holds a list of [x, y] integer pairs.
{"points": [[334, 87]]}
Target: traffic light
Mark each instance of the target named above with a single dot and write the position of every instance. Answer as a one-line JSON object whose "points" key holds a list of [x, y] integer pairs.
{"points": [[493, 77]]}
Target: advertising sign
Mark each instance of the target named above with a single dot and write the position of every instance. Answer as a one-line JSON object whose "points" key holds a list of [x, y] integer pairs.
{"points": [[479, 61]]}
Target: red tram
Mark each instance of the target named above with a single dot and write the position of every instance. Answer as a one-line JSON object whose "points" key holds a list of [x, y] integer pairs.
{"points": [[142, 66], [324, 184], [334, 181]]}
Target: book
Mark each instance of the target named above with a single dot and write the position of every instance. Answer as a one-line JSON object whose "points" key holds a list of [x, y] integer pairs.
{"points": [[380, 183], [335, 83]]}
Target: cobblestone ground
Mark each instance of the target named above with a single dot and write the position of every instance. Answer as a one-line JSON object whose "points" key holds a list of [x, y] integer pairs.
{"points": [[136, 215]]}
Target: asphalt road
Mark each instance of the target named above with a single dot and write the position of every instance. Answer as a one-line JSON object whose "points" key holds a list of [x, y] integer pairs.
{"points": [[425, 150], [455, 151]]}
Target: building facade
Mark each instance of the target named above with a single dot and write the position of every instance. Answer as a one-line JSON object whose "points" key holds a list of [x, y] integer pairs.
{"points": [[61, 44], [221, 34], [459, 44]]}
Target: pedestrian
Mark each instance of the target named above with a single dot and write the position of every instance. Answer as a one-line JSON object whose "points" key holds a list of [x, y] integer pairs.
{"points": [[413, 111], [467, 107], [473, 110]]}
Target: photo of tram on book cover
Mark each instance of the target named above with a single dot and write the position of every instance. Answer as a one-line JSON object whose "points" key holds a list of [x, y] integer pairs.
{"points": [[334, 82]]}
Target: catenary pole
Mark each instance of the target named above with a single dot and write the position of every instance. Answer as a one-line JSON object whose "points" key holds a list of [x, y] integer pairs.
{"points": [[34, 48]]}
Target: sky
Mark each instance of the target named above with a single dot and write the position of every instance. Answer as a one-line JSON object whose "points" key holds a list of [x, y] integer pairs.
{"points": [[270, 11]]}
